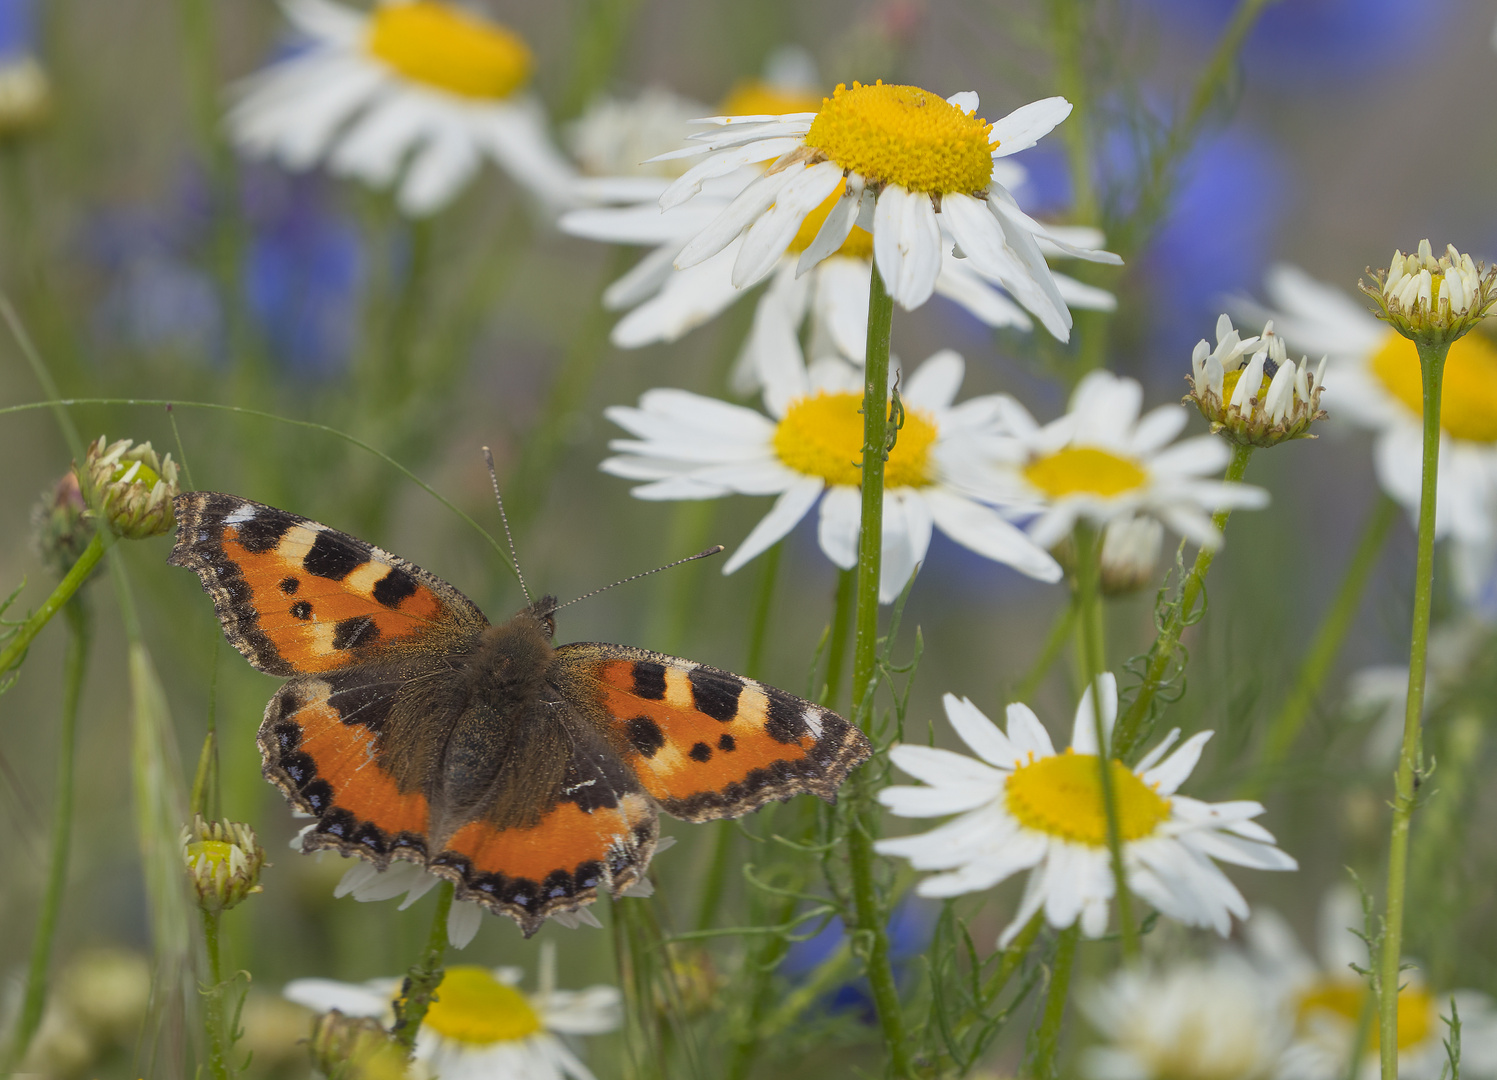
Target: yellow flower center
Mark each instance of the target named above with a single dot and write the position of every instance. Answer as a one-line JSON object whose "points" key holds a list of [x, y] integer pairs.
{"points": [[904, 135], [1232, 378], [822, 435], [472, 1006], [1468, 400], [215, 853], [1062, 796], [143, 473], [1346, 999], [446, 47], [859, 242], [1085, 470], [754, 97]]}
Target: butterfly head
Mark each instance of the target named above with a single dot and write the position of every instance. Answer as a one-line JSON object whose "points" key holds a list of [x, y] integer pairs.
{"points": [[543, 611]]}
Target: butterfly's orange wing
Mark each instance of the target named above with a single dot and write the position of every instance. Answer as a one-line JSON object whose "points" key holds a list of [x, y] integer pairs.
{"points": [[704, 742], [295, 596]]}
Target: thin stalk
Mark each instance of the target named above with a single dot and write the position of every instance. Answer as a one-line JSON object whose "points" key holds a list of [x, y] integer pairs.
{"points": [[1047, 1042], [74, 664], [15, 648], [1432, 366], [425, 976], [762, 965], [213, 1002], [842, 614], [1161, 654], [1093, 663], [1325, 647], [1008, 963], [1055, 643], [1068, 28], [827, 975]]}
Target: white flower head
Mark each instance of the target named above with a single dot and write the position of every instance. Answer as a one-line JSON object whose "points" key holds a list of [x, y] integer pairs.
{"points": [[1101, 461], [1430, 300], [1023, 806], [1249, 389], [1208, 1020], [1376, 384], [806, 451], [912, 170], [481, 1026], [415, 93]]}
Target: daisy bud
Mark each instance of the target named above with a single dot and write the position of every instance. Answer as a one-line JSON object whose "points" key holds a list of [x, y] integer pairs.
{"points": [[1250, 390], [223, 861], [59, 526], [131, 486], [1130, 554], [696, 980], [355, 1048], [1432, 301], [25, 95]]}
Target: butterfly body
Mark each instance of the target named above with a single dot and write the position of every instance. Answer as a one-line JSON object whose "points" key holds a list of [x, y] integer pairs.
{"points": [[529, 774]]}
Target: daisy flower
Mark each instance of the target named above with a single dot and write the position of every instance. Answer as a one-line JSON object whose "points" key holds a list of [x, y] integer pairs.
{"points": [[1327, 999], [1102, 461], [906, 166], [1378, 386], [1210, 1020], [1025, 807], [481, 1026], [415, 93], [806, 450]]}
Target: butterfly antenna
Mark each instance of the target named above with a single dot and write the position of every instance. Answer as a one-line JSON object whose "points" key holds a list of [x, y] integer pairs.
{"points": [[514, 558], [635, 577]]}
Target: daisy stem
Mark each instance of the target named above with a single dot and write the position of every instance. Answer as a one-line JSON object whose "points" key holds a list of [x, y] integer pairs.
{"points": [[842, 613], [74, 664], [15, 649], [1327, 642], [425, 976], [1432, 366], [1093, 663], [1047, 1041], [863, 821], [1181, 614], [213, 1001]]}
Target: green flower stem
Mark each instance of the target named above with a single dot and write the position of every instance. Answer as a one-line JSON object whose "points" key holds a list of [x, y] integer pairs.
{"points": [[1161, 654], [836, 657], [1008, 963], [75, 662], [1055, 643], [1326, 645], [15, 648], [863, 819], [638, 951], [1432, 366], [1047, 1041], [425, 976], [213, 1002], [1093, 662]]}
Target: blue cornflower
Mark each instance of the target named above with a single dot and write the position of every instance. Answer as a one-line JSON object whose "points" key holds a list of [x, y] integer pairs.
{"points": [[910, 926]]}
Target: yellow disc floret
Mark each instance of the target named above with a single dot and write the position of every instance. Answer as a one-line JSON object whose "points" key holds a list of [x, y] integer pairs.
{"points": [[1085, 470], [1468, 401], [1346, 999], [472, 1006], [859, 242], [755, 97], [822, 435], [213, 853], [1062, 796], [904, 135], [446, 47]]}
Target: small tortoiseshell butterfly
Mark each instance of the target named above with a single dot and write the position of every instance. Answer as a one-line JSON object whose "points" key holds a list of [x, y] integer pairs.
{"points": [[527, 774]]}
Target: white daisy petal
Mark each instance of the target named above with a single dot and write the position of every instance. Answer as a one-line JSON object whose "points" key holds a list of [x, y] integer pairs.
{"points": [[766, 240], [788, 509], [837, 531], [979, 733], [1027, 125], [906, 244]]}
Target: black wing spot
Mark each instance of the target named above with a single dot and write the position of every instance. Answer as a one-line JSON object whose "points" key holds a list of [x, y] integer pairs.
{"points": [[261, 533], [715, 693], [355, 632], [332, 558], [701, 752], [649, 680], [301, 610], [319, 797], [725, 742], [646, 736], [394, 587], [784, 723], [289, 585]]}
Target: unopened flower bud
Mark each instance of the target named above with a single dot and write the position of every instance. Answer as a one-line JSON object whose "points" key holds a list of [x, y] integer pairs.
{"points": [[1429, 300], [223, 861], [131, 486], [59, 526], [696, 980], [25, 95], [355, 1048], [1130, 554], [1249, 389]]}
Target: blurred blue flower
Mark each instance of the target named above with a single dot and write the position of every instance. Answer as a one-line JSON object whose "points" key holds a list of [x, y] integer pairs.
{"points": [[910, 926], [1319, 41], [17, 29]]}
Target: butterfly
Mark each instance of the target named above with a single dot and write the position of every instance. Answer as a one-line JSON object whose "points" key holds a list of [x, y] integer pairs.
{"points": [[529, 774]]}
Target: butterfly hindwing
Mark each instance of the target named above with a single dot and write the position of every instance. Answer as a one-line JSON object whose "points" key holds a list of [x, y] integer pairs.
{"points": [[296, 596], [707, 743]]}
